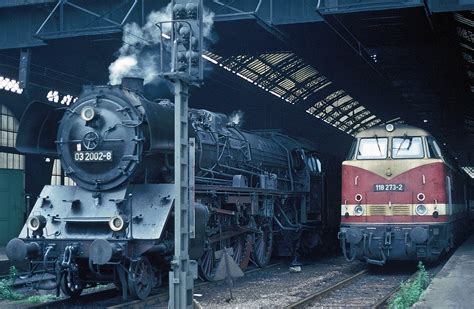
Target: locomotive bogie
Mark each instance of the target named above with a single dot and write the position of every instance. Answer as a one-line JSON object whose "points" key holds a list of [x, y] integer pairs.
{"points": [[378, 243]]}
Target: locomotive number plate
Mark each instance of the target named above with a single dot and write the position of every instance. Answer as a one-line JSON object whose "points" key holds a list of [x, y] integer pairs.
{"points": [[93, 156], [399, 187]]}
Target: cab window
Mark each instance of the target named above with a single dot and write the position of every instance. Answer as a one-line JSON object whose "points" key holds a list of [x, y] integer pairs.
{"points": [[372, 148], [314, 164], [407, 147], [298, 159], [434, 151]]}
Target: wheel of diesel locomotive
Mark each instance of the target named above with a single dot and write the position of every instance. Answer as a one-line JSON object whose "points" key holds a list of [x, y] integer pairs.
{"points": [[263, 243], [141, 278], [69, 287]]}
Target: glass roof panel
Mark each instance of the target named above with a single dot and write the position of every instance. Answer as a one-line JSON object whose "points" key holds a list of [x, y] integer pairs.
{"points": [[342, 111], [289, 77], [469, 170]]}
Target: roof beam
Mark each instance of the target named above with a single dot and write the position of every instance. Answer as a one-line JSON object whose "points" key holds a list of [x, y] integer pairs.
{"points": [[13, 3], [319, 95], [270, 12]]}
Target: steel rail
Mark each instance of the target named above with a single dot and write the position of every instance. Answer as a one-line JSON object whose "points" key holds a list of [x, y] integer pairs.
{"points": [[310, 299]]}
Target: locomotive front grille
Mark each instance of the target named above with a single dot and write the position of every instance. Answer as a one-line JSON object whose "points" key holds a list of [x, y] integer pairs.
{"points": [[401, 210], [384, 210], [377, 210]]}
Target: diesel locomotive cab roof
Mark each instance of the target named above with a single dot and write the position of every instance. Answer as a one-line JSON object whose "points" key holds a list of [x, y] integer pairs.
{"points": [[398, 130]]}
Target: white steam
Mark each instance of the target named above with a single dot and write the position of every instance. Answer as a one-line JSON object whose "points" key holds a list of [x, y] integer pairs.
{"points": [[120, 68], [236, 118], [139, 55]]}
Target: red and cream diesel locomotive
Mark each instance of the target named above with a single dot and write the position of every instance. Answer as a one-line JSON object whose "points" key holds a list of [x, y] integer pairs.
{"points": [[403, 198]]}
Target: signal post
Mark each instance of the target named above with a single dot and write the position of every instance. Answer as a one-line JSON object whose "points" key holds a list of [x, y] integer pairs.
{"points": [[185, 70]]}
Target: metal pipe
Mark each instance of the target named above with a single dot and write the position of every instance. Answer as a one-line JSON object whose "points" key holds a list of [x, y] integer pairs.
{"points": [[241, 14], [213, 180], [344, 249], [292, 187], [131, 215], [92, 13], [129, 12], [359, 5], [377, 262], [49, 16], [287, 219], [42, 286], [370, 242], [284, 227]]}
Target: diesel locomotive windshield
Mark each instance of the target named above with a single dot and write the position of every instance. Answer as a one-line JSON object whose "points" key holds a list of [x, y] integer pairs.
{"points": [[407, 147], [372, 148], [403, 147]]}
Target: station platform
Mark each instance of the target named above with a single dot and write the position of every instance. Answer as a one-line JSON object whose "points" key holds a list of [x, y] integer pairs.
{"points": [[453, 286]]}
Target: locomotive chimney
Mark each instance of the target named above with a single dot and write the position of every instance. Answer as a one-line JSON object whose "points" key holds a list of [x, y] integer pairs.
{"points": [[133, 83]]}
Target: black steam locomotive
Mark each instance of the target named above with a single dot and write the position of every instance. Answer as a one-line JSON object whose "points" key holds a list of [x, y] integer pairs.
{"points": [[254, 192]]}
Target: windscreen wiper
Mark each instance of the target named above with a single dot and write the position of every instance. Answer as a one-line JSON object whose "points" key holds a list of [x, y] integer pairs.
{"points": [[378, 145], [403, 140]]}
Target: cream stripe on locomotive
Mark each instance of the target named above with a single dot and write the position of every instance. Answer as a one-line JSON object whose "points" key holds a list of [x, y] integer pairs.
{"points": [[402, 209], [396, 167]]}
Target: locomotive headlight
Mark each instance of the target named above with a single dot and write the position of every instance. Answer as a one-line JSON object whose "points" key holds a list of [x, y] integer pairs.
{"points": [[36, 223], [116, 223], [420, 196], [358, 210], [358, 197], [421, 210], [88, 113], [389, 127]]}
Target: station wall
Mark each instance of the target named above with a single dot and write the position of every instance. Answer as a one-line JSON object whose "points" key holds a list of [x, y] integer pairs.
{"points": [[12, 179]]}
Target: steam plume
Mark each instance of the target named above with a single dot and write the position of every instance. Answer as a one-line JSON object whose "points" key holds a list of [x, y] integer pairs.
{"points": [[139, 55], [236, 118]]}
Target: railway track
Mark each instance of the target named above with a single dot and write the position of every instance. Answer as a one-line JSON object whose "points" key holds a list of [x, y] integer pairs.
{"points": [[364, 281], [111, 298], [365, 288], [315, 296]]}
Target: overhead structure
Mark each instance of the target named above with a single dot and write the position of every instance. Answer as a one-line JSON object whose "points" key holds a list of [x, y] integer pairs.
{"points": [[290, 78], [351, 64], [465, 31]]}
